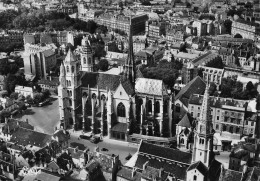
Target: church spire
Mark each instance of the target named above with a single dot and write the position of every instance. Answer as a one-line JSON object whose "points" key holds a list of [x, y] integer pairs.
{"points": [[205, 115], [129, 72]]}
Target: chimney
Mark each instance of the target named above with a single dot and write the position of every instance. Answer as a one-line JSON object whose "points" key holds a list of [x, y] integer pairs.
{"points": [[145, 165], [160, 172], [133, 172]]}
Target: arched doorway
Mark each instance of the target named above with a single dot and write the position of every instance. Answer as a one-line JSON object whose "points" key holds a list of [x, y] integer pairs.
{"points": [[238, 36]]}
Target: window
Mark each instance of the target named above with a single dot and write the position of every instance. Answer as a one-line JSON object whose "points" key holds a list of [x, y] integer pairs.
{"points": [[103, 97], [237, 130], [157, 107], [252, 123], [217, 117], [84, 60], [70, 102], [121, 110], [94, 96], [191, 114], [72, 69], [89, 60], [150, 106], [68, 69], [194, 178], [224, 127], [198, 115], [182, 141], [231, 129], [178, 108], [217, 127]]}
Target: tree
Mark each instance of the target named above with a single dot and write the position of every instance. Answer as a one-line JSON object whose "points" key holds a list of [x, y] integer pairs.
{"points": [[216, 63], [14, 95], [103, 65], [38, 97], [29, 99], [228, 25], [46, 94], [5, 114], [212, 88]]}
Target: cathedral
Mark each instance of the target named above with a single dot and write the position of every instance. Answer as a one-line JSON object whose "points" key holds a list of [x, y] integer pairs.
{"points": [[112, 105]]}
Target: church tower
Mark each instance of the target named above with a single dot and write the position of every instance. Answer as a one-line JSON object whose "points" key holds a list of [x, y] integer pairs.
{"points": [[86, 56], [203, 139], [129, 67], [62, 96], [72, 67]]}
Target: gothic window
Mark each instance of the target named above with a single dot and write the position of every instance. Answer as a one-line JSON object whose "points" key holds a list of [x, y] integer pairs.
{"points": [[89, 60], [70, 102], [68, 92], [67, 82], [72, 69], [182, 141], [94, 96], [68, 69], [121, 110], [84, 60], [165, 107], [103, 97], [150, 106], [84, 94], [178, 108], [157, 107], [194, 178]]}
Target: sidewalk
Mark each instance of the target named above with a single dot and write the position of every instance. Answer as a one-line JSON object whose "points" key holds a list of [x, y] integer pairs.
{"points": [[104, 139]]}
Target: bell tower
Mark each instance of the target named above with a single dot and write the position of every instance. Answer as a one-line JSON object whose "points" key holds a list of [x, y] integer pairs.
{"points": [[73, 83], [86, 56], [203, 139]]}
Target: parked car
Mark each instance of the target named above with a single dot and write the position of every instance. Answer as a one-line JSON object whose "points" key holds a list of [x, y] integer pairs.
{"points": [[86, 137], [94, 139], [104, 149], [128, 157], [217, 152]]}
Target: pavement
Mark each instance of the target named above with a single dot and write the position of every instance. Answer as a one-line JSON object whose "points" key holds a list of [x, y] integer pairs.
{"points": [[223, 158], [45, 119]]}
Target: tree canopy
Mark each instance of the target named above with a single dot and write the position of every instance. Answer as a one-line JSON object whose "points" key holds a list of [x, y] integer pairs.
{"points": [[216, 63], [103, 65]]}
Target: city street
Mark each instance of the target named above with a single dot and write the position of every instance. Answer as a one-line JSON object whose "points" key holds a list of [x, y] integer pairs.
{"points": [[45, 119]]}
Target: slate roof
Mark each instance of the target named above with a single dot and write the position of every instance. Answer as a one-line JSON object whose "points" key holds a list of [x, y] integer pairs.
{"points": [[120, 127], [102, 81], [14, 124], [214, 170], [128, 87], [70, 57], [153, 173], [204, 58], [186, 121], [195, 86], [23, 136], [62, 135], [166, 153], [199, 166], [150, 86], [47, 176], [126, 172]]}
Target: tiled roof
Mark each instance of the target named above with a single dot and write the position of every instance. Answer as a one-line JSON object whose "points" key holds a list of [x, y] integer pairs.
{"points": [[214, 170], [166, 153], [126, 172], [75, 153], [47, 176], [150, 86], [253, 175], [48, 53], [53, 82], [204, 58], [230, 175], [120, 127], [175, 169], [14, 124], [153, 173], [186, 121], [62, 135], [195, 86], [102, 81], [200, 167], [26, 137]]}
